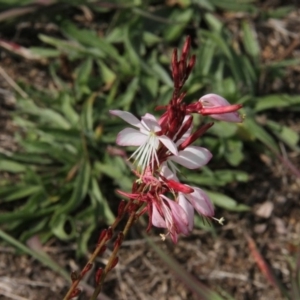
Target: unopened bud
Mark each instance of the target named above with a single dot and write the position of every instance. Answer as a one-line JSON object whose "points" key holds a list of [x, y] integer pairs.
{"points": [[195, 136], [191, 65], [186, 48], [75, 293], [74, 276], [98, 275], [121, 208], [114, 263], [179, 187], [102, 250], [109, 233], [119, 240], [102, 235], [86, 269]]}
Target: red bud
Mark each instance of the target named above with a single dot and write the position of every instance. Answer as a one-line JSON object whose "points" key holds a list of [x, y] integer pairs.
{"points": [[119, 240], [195, 136], [114, 263], [75, 293], [220, 110], [98, 275], [179, 187], [121, 208], [102, 235]]}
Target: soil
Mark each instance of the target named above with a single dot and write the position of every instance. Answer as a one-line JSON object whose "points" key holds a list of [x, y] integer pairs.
{"points": [[223, 261]]}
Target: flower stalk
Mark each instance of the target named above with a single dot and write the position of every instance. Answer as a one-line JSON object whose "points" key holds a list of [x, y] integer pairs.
{"points": [[162, 144]]}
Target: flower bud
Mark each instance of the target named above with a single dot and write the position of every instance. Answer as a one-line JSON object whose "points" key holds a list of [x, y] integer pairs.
{"points": [[219, 108]]}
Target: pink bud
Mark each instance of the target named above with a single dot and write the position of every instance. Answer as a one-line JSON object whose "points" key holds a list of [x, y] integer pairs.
{"points": [[219, 108]]}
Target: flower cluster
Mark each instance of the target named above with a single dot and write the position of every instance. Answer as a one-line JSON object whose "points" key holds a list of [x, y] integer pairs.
{"points": [[167, 141]]}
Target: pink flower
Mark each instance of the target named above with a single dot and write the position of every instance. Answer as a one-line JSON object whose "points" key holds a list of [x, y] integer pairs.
{"points": [[168, 214], [197, 200], [219, 108], [147, 138]]}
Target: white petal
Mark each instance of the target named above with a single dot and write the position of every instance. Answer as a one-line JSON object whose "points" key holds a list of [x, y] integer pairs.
{"points": [[169, 144], [150, 125], [166, 172], [187, 133], [201, 202], [131, 137], [127, 117], [192, 157]]}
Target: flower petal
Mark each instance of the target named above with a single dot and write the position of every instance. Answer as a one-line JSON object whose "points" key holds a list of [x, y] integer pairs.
{"points": [[214, 100], [131, 137], [187, 133], [168, 143], [201, 202], [166, 172], [157, 219], [150, 124], [192, 157], [179, 216], [188, 208], [127, 117]]}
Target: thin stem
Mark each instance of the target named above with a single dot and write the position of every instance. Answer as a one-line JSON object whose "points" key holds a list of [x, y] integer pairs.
{"points": [[112, 257], [94, 255]]}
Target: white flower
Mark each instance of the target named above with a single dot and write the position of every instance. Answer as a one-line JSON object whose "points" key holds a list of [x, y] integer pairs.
{"points": [[146, 138]]}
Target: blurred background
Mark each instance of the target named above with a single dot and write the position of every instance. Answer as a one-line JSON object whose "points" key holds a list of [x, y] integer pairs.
{"points": [[64, 64]]}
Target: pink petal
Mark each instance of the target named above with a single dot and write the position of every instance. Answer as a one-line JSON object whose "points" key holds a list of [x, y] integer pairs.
{"points": [[192, 157], [201, 202], [214, 100], [188, 208], [127, 117], [169, 144], [157, 219], [131, 137], [174, 237], [179, 216], [233, 117]]}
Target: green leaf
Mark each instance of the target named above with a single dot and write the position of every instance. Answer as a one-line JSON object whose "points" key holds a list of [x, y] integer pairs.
{"points": [[63, 222], [276, 101], [174, 31], [87, 113], [223, 129], [104, 207], [11, 166], [234, 152], [250, 41], [284, 133], [260, 133], [45, 52], [226, 202], [20, 191]]}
